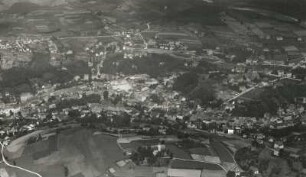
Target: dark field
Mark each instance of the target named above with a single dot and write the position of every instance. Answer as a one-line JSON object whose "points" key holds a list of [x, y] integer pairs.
{"points": [[19, 80], [295, 8], [180, 164], [222, 152], [178, 153], [147, 65]]}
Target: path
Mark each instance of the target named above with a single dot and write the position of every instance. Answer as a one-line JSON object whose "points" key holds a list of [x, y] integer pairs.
{"points": [[87, 37], [242, 93], [14, 166]]}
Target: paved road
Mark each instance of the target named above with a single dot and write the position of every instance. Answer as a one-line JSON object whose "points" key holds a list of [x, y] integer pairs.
{"points": [[13, 166]]}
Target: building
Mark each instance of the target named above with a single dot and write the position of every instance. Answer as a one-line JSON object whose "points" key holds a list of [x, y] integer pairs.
{"points": [[301, 34], [290, 49], [255, 170], [230, 131], [25, 97]]}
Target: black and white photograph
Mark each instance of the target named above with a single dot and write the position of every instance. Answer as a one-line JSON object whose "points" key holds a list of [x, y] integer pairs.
{"points": [[152, 88]]}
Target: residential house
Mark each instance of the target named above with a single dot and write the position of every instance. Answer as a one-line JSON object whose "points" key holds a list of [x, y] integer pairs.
{"points": [[254, 170], [301, 35]]}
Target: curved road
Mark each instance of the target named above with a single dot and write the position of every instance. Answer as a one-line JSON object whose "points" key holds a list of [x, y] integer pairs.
{"points": [[13, 166]]}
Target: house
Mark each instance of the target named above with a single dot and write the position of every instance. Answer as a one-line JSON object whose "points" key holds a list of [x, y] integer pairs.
{"points": [[158, 147], [293, 152], [252, 75], [238, 130], [184, 173], [230, 107], [230, 131], [251, 61], [279, 38], [240, 68], [278, 145], [276, 58], [276, 152], [290, 49], [255, 170], [300, 100], [25, 97], [294, 156], [260, 136], [301, 34]]}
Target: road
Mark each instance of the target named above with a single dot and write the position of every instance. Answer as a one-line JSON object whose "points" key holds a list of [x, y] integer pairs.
{"points": [[242, 93], [14, 166], [87, 37], [258, 86], [282, 78]]}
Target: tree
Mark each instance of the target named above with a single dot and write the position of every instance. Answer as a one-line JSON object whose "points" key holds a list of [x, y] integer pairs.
{"points": [[186, 82], [74, 114], [117, 99], [66, 171], [230, 174], [105, 95], [11, 113]]}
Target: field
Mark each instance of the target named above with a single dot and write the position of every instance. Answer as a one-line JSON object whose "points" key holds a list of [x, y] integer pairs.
{"points": [[18, 80], [201, 151], [177, 152], [222, 152], [147, 65], [135, 144], [78, 151], [180, 164]]}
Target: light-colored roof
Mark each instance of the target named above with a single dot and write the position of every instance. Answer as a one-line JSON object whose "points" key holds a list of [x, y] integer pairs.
{"points": [[290, 49], [121, 163], [184, 173]]}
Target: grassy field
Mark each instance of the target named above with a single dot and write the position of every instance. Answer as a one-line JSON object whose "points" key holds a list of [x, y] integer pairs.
{"points": [[222, 152], [200, 151], [177, 152], [77, 150], [180, 164]]}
